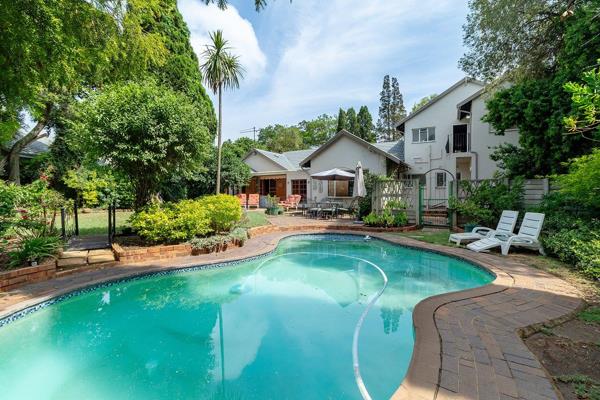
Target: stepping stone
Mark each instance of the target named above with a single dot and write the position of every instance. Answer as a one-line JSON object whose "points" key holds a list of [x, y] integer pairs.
{"points": [[67, 262], [74, 254], [100, 256]]}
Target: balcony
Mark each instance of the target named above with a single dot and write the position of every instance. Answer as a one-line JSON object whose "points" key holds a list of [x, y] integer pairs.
{"points": [[460, 142]]}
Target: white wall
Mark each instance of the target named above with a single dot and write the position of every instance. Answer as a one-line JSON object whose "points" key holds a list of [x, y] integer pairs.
{"points": [[259, 163], [483, 141], [345, 153], [442, 115]]}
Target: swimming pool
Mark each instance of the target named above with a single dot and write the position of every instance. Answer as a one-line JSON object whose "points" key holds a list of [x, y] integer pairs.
{"points": [[274, 327]]}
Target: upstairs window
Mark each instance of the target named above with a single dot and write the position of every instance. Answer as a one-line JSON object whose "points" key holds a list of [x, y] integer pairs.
{"points": [[423, 135]]}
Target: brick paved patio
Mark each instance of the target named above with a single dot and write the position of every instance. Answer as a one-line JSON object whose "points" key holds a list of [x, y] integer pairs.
{"points": [[467, 343]]}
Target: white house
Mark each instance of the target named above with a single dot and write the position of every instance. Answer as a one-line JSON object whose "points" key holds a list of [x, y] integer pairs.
{"points": [[282, 174], [446, 138]]}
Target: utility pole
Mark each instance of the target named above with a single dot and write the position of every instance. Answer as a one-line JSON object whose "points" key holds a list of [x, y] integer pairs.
{"points": [[252, 130]]}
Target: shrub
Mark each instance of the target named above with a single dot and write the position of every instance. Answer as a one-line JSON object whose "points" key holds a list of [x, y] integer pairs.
{"points": [[400, 219], [34, 249], [240, 235], [210, 243], [172, 222], [224, 211], [386, 219], [485, 200], [579, 247]]}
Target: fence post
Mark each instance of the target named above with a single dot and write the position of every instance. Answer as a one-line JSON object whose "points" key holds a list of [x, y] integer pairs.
{"points": [[420, 205], [76, 216], [109, 224], [63, 230]]}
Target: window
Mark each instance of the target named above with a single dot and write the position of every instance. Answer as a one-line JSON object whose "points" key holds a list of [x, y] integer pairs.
{"points": [[422, 135], [299, 187], [268, 187], [340, 188], [440, 179]]}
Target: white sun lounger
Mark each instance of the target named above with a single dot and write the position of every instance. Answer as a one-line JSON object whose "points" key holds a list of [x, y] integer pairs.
{"points": [[528, 237], [506, 225]]}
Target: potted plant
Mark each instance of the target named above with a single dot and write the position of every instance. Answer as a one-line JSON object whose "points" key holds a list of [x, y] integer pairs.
{"points": [[273, 206]]}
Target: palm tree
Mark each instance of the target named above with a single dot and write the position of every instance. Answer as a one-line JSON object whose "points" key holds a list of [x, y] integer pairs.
{"points": [[220, 70]]}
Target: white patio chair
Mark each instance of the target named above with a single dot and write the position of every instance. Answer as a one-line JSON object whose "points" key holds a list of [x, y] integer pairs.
{"points": [[528, 237], [506, 225]]}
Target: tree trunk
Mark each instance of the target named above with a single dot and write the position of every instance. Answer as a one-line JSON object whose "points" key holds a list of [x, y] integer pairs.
{"points": [[14, 174], [219, 127]]}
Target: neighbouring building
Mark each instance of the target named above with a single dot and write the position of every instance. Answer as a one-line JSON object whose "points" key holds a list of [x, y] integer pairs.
{"points": [[282, 174]]}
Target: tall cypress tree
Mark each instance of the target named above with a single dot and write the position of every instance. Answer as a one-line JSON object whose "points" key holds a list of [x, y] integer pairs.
{"points": [[180, 69], [397, 108], [352, 121], [385, 98], [365, 125], [342, 122]]}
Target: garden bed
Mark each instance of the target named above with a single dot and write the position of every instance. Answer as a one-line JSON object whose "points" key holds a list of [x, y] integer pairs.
{"points": [[18, 277]]}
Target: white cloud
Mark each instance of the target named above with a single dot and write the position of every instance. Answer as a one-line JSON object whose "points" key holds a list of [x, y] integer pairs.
{"points": [[202, 19]]}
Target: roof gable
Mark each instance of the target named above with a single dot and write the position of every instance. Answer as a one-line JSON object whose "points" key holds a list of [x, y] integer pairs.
{"points": [[345, 133]]}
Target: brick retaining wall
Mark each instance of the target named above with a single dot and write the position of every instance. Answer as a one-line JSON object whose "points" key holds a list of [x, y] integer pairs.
{"points": [[12, 279]]}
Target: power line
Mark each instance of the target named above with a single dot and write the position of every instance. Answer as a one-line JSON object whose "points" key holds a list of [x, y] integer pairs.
{"points": [[252, 130]]}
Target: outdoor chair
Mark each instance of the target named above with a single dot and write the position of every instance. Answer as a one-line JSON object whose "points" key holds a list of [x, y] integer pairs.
{"points": [[506, 225], [292, 201], [243, 198], [528, 237], [253, 200]]}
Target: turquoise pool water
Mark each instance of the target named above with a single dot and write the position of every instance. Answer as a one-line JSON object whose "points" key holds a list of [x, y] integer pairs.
{"points": [[276, 327]]}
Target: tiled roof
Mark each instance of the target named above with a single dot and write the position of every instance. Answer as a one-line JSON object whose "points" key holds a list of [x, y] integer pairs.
{"points": [[395, 148]]}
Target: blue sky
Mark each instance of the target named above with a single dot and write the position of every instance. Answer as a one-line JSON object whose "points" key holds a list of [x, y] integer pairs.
{"points": [[311, 57]]}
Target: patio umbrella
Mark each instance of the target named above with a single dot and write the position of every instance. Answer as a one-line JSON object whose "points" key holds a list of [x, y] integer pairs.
{"points": [[335, 174], [359, 182]]}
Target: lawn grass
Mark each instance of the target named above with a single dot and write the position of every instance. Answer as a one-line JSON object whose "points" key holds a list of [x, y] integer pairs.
{"points": [[591, 314], [254, 218], [429, 236], [96, 222]]}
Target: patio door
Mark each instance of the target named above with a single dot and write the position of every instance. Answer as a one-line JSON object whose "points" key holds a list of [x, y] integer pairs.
{"points": [[299, 186]]}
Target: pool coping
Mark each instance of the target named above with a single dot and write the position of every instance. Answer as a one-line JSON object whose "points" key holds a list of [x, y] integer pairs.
{"points": [[424, 377]]}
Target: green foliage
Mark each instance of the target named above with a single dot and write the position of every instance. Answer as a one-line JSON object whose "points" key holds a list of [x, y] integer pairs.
{"points": [[224, 211], [586, 103], [507, 35], [365, 203], [485, 200], [98, 188], [539, 103], [146, 132], [391, 109], [172, 222], [591, 314], [342, 121], [30, 209], [279, 138], [422, 102], [393, 215], [34, 249], [364, 121], [579, 247], [351, 121], [317, 131], [213, 243], [582, 182]]}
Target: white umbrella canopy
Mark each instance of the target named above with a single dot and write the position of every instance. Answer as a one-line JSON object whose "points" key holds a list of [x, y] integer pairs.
{"points": [[335, 174], [359, 182]]}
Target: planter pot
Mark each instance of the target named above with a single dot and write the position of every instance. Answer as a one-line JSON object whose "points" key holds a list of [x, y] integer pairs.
{"points": [[470, 226]]}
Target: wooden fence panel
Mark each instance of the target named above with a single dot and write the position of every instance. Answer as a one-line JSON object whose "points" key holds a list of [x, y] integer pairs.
{"points": [[406, 190]]}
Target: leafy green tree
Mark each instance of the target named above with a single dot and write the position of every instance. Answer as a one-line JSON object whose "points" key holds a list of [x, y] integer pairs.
{"points": [[342, 121], [222, 70], [259, 4], [352, 121], [50, 51], [145, 131], [582, 182], [521, 38], [365, 125], [279, 138], [422, 102], [585, 98], [398, 111], [317, 131]]}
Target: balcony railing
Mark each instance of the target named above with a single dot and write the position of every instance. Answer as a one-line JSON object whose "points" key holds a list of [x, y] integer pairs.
{"points": [[460, 142]]}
